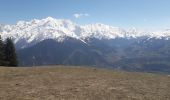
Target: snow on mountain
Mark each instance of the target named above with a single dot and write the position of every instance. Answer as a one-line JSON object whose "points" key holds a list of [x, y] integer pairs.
{"points": [[101, 31], [39, 29], [35, 31]]}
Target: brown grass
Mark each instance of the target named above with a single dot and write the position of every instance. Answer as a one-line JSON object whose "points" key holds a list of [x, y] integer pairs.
{"points": [[63, 83]]}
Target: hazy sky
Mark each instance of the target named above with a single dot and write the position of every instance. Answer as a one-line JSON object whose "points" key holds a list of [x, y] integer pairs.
{"points": [[144, 14]]}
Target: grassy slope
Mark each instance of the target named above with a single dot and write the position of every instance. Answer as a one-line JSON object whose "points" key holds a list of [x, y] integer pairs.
{"points": [[80, 84]]}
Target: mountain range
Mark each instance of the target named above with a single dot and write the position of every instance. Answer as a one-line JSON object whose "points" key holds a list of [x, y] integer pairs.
{"points": [[53, 41]]}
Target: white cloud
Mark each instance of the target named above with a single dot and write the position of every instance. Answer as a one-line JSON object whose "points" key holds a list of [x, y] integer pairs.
{"points": [[79, 15]]}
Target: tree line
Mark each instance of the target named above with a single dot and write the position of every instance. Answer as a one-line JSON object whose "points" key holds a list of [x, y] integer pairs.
{"points": [[8, 55]]}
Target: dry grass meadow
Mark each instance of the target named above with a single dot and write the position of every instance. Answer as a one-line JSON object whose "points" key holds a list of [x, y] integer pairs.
{"points": [[78, 83]]}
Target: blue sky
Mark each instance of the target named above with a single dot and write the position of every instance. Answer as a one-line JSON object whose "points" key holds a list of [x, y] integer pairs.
{"points": [[142, 14]]}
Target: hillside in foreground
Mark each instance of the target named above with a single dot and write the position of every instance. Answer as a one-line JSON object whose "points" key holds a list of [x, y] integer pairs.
{"points": [[77, 83]]}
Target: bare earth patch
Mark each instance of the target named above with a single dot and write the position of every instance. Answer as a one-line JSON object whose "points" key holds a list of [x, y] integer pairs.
{"points": [[63, 83]]}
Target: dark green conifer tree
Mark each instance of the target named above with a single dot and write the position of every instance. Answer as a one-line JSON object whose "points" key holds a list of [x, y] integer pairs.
{"points": [[10, 53], [2, 55]]}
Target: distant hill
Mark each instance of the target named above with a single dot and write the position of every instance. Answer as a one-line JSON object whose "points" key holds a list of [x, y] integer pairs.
{"points": [[142, 55], [69, 52]]}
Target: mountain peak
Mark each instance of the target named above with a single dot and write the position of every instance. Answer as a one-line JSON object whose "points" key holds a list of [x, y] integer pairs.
{"points": [[35, 31], [50, 18]]}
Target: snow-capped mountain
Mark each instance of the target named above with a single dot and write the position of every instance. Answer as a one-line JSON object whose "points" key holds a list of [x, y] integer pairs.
{"points": [[57, 41], [51, 28], [29, 33]]}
